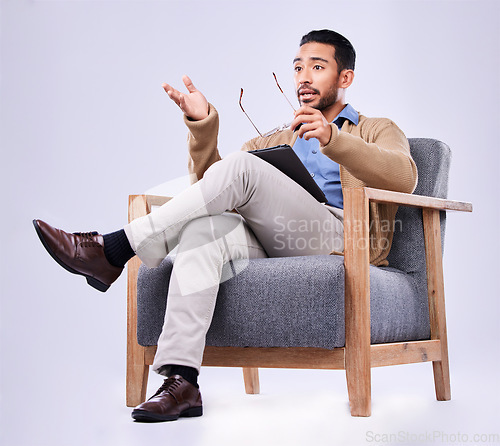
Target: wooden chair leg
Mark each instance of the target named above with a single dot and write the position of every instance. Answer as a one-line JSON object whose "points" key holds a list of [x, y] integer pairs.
{"points": [[137, 369], [137, 378], [442, 380], [359, 390], [251, 378], [435, 287], [357, 302]]}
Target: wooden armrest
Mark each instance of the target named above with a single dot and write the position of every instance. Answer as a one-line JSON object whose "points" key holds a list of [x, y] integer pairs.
{"points": [[421, 201], [140, 205]]}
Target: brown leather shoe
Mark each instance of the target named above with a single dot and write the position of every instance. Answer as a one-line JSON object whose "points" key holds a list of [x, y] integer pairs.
{"points": [[175, 398], [79, 253]]}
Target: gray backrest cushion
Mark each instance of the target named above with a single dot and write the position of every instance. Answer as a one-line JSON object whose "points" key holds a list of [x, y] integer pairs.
{"points": [[432, 158]]}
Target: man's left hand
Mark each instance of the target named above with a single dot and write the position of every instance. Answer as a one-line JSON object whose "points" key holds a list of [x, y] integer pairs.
{"points": [[314, 125]]}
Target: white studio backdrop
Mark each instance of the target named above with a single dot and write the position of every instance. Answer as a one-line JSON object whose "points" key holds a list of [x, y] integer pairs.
{"points": [[85, 123]]}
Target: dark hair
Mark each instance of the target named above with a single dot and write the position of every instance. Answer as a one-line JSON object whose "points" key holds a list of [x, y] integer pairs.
{"points": [[345, 55]]}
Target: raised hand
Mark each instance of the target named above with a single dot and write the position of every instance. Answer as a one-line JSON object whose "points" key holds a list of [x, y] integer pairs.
{"points": [[314, 125], [193, 104]]}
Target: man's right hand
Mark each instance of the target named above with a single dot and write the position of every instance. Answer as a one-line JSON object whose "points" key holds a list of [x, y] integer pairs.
{"points": [[194, 105]]}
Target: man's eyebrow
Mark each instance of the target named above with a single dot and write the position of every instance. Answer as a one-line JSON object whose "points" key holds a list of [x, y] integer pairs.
{"points": [[299, 59], [320, 59]]}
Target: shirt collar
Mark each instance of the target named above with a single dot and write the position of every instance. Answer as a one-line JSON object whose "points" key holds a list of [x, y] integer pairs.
{"points": [[349, 113]]}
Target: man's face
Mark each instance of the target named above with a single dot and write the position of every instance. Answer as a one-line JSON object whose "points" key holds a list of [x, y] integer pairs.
{"points": [[316, 77]]}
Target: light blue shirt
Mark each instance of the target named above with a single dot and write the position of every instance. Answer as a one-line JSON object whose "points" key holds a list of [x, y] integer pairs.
{"points": [[325, 171]]}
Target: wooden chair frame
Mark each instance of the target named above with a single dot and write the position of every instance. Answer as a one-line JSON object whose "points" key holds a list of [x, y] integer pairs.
{"points": [[358, 355]]}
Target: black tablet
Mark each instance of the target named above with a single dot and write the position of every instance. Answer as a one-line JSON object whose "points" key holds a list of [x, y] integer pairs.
{"points": [[285, 159]]}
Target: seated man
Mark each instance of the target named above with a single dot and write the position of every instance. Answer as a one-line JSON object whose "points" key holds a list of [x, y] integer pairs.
{"points": [[339, 147]]}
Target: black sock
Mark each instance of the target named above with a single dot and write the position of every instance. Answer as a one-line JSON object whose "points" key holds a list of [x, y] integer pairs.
{"points": [[117, 248], [188, 373]]}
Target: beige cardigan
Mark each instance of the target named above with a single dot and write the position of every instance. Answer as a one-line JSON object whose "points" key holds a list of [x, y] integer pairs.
{"points": [[374, 153]]}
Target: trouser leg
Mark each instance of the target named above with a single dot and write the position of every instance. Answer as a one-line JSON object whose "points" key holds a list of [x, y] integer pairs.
{"points": [[286, 219], [207, 248]]}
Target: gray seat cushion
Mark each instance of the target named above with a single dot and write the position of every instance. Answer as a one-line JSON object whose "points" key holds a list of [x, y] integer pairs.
{"points": [[296, 302], [299, 301]]}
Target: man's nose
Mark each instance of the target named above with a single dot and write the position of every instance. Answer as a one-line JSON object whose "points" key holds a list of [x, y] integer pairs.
{"points": [[303, 78]]}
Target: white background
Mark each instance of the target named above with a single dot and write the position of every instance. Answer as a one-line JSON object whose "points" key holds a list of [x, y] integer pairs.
{"points": [[85, 123]]}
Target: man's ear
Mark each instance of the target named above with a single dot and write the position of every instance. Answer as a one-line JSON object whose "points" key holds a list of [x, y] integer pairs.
{"points": [[345, 78]]}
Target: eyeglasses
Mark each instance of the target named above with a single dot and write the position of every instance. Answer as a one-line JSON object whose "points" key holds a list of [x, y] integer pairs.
{"points": [[282, 127]]}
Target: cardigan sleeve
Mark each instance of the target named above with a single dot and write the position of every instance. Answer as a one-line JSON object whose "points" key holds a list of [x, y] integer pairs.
{"points": [[202, 143], [380, 159]]}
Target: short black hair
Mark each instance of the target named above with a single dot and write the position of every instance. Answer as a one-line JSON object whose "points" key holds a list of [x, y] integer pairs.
{"points": [[345, 55]]}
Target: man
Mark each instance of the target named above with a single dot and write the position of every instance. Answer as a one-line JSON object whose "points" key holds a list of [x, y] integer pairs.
{"points": [[340, 148]]}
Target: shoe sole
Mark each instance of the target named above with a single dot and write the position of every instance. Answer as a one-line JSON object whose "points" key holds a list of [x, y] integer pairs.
{"points": [[98, 285], [144, 416]]}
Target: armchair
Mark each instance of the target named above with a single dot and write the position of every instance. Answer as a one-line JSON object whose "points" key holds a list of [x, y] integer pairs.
{"points": [[326, 312]]}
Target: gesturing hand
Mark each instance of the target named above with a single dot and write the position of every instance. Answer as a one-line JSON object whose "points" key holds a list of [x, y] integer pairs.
{"points": [[194, 105], [314, 125]]}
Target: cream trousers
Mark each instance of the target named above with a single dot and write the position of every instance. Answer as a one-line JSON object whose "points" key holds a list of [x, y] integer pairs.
{"points": [[275, 217]]}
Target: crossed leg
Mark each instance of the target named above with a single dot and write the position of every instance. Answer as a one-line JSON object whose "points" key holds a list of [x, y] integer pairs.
{"points": [[276, 218]]}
